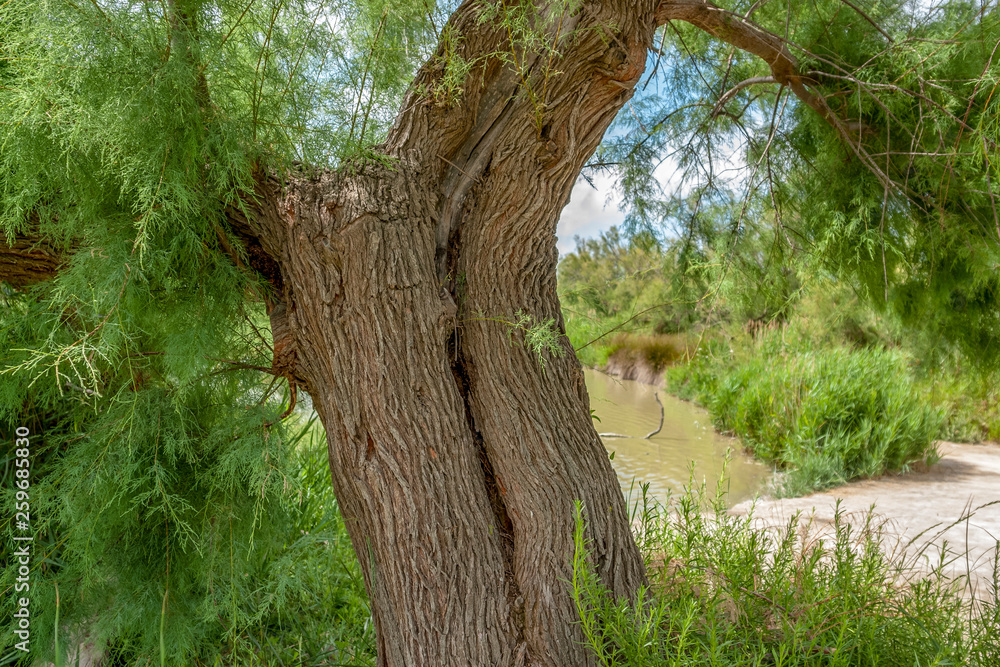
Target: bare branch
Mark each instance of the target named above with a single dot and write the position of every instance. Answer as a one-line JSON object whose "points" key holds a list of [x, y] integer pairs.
{"points": [[868, 18], [746, 83]]}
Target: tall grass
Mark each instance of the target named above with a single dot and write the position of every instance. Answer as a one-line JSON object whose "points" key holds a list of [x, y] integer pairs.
{"points": [[970, 401], [725, 592], [827, 416]]}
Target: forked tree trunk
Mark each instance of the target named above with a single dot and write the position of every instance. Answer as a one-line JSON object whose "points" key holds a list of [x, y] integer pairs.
{"points": [[456, 456]]}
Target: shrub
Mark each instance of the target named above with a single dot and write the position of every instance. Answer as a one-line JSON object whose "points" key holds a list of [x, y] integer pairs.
{"points": [[827, 416], [258, 568], [970, 401], [654, 351], [587, 336]]}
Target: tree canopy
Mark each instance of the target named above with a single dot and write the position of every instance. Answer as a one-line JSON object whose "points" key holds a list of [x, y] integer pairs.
{"points": [[112, 145]]}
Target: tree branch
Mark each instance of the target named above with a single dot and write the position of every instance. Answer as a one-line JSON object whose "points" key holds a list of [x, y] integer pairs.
{"points": [[32, 258], [747, 36], [29, 260], [746, 83], [869, 19]]}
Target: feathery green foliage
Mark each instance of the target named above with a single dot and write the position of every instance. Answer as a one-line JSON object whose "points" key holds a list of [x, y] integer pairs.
{"points": [[191, 539], [162, 490]]}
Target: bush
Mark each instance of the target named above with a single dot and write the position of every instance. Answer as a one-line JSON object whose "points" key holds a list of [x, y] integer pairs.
{"points": [[656, 352], [827, 416], [724, 591], [970, 401]]}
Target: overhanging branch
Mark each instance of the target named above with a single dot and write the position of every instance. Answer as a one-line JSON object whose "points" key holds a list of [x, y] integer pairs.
{"points": [[32, 258], [747, 36], [772, 49]]}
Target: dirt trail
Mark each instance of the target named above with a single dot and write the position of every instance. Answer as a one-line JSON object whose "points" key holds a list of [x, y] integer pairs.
{"points": [[921, 508]]}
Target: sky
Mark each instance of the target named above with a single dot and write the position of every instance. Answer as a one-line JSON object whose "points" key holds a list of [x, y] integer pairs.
{"points": [[592, 210], [589, 212]]}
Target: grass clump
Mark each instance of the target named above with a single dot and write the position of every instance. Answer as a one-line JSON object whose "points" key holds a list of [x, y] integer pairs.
{"points": [[826, 415], [724, 591]]}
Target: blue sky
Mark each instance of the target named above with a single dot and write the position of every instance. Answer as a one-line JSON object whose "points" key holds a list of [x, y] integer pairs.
{"points": [[592, 210]]}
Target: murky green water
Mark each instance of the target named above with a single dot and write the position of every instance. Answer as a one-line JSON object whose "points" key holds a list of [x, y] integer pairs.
{"points": [[664, 460]]}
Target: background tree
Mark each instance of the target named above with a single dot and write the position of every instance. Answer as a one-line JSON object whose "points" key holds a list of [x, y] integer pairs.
{"points": [[172, 170]]}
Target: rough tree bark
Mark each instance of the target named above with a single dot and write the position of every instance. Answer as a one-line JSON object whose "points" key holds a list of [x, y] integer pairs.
{"points": [[455, 455], [28, 260]]}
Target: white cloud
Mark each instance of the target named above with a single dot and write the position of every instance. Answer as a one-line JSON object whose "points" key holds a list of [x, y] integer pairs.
{"points": [[589, 212]]}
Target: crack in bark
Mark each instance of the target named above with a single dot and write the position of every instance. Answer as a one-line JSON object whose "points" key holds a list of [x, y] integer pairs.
{"points": [[474, 158], [495, 491], [494, 486]]}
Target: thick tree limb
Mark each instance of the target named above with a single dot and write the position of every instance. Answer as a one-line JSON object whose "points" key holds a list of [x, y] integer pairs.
{"points": [[31, 259]]}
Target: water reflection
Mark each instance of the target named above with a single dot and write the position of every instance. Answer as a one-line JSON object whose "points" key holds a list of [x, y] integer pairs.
{"points": [[664, 460]]}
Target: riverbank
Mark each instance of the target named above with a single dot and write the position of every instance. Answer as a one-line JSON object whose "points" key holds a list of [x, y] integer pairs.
{"points": [[952, 505]]}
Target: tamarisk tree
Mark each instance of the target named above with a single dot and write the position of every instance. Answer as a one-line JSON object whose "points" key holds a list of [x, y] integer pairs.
{"points": [[383, 180]]}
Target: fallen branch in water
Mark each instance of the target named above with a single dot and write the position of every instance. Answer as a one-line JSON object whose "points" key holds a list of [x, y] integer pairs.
{"points": [[649, 435], [659, 428]]}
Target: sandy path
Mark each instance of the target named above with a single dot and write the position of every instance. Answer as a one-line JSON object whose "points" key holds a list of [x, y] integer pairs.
{"points": [[919, 507]]}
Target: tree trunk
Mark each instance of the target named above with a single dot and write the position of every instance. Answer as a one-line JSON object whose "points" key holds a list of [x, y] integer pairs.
{"points": [[456, 455]]}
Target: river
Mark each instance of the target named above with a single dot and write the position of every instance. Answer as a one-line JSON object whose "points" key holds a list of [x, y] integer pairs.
{"points": [[664, 460]]}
